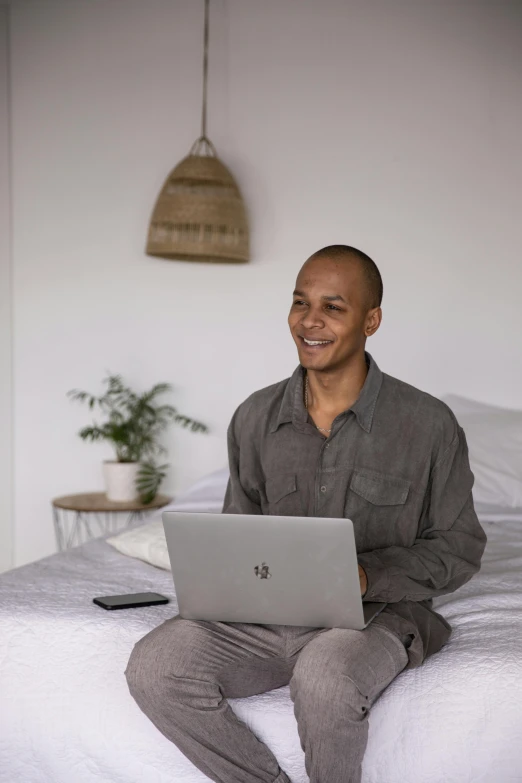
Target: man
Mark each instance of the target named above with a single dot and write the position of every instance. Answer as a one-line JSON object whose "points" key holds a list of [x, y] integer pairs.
{"points": [[338, 439]]}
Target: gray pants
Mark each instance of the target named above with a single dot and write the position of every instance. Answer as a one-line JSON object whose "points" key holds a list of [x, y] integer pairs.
{"points": [[182, 673]]}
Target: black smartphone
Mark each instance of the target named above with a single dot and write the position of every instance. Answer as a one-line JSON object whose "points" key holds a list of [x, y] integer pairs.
{"points": [[130, 600]]}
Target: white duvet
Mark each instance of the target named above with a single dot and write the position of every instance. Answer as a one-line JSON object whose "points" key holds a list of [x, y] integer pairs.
{"points": [[66, 715]]}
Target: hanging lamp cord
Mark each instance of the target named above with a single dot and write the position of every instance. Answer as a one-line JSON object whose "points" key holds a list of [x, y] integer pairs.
{"points": [[205, 75], [203, 145]]}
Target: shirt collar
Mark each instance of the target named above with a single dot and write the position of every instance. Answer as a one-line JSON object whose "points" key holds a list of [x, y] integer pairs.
{"points": [[292, 407]]}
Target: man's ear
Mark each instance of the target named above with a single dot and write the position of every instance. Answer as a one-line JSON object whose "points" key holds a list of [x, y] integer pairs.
{"points": [[373, 321]]}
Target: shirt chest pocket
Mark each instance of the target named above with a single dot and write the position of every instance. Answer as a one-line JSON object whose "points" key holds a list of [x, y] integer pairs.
{"points": [[374, 503], [281, 495], [380, 489]]}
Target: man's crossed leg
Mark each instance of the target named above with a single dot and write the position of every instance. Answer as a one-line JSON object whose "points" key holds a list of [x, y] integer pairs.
{"points": [[182, 673]]}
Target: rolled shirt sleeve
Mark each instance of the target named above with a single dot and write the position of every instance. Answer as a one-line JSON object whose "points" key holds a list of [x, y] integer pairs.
{"points": [[450, 542]]}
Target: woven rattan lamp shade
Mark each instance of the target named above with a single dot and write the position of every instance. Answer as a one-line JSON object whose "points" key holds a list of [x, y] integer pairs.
{"points": [[199, 214]]}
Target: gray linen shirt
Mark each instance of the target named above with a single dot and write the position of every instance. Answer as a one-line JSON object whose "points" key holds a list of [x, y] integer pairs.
{"points": [[396, 464]]}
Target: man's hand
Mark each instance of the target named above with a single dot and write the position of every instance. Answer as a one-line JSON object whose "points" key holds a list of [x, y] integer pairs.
{"points": [[363, 581]]}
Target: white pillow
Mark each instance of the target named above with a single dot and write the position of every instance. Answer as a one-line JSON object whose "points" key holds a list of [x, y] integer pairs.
{"points": [[462, 405], [206, 495], [147, 542], [494, 437]]}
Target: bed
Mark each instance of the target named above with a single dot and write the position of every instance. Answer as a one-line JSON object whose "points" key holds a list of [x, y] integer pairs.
{"points": [[66, 715]]}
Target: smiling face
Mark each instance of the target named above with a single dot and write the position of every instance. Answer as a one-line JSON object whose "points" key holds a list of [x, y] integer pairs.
{"points": [[330, 318]]}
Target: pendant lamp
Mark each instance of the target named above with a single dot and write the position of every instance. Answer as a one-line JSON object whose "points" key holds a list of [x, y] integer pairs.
{"points": [[199, 214]]}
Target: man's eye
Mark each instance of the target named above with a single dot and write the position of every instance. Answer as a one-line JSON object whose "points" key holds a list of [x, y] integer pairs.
{"points": [[299, 302], [332, 307]]}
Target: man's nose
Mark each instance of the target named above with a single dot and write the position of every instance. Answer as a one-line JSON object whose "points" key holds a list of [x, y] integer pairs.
{"points": [[313, 318]]}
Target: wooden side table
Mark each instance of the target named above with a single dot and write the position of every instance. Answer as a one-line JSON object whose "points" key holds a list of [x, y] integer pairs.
{"points": [[74, 516]]}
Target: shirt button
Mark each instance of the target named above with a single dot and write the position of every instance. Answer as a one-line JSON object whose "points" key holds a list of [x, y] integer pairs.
{"points": [[327, 445], [323, 489]]}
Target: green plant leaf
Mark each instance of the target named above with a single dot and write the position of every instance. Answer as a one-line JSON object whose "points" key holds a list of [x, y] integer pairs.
{"points": [[148, 480], [132, 423]]}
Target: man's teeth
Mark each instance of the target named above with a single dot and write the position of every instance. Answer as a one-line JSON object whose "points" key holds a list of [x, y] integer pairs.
{"points": [[316, 342]]}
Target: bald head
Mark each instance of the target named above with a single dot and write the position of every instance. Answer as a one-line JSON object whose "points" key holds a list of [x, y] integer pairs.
{"points": [[335, 308], [370, 273]]}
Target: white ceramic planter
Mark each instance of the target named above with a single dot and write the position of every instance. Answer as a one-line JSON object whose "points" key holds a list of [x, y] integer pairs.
{"points": [[120, 478]]}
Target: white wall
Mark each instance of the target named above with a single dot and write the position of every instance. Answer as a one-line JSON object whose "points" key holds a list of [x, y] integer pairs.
{"points": [[6, 456], [394, 127]]}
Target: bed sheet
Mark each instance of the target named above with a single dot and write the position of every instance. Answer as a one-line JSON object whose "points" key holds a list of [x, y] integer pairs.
{"points": [[66, 715]]}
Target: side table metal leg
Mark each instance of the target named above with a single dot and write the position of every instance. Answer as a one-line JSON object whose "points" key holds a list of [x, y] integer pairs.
{"points": [[83, 519], [74, 527], [73, 531], [58, 532], [134, 518]]}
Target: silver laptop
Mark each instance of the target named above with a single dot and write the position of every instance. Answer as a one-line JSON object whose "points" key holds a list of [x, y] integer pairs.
{"points": [[267, 570]]}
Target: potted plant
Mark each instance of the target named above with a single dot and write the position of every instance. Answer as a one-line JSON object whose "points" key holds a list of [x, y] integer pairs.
{"points": [[132, 424]]}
